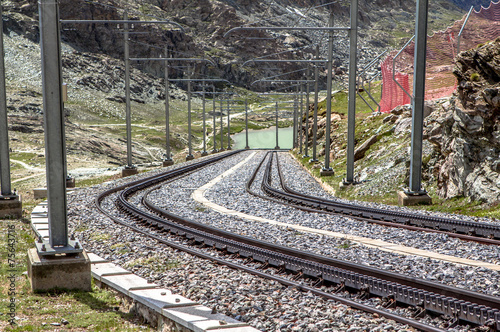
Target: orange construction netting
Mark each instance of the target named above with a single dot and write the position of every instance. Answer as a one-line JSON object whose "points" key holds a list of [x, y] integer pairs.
{"points": [[482, 26]]}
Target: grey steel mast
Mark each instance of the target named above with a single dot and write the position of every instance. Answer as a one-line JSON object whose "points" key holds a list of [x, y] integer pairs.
{"points": [[306, 147], [277, 143], [6, 191], [55, 138], [214, 119], [351, 115], [418, 102], [246, 124], [315, 115], [168, 158], [204, 152], [190, 146], [327, 170]]}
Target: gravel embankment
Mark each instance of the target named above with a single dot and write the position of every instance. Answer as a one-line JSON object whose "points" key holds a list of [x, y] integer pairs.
{"points": [[265, 304]]}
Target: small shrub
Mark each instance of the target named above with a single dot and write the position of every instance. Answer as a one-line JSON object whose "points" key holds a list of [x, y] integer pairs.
{"points": [[474, 77]]}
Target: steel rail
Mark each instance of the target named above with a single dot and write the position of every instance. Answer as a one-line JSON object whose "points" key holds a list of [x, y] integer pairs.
{"points": [[435, 297], [462, 295], [298, 285], [471, 231]]}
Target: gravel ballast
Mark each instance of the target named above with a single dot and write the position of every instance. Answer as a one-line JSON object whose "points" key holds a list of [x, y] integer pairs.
{"points": [[264, 304]]}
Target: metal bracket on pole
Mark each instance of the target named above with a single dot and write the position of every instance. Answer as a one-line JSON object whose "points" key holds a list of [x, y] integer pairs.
{"points": [[363, 85], [394, 67], [462, 29]]}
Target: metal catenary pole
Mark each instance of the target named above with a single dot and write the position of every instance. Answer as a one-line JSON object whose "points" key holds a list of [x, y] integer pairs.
{"points": [[204, 153], [295, 124], [228, 125], [221, 126], [6, 191], [128, 119], [246, 124], [190, 145], [418, 99], [315, 116], [306, 147], [55, 149], [168, 157], [277, 144], [301, 114], [351, 113], [214, 119], [327, 170]]}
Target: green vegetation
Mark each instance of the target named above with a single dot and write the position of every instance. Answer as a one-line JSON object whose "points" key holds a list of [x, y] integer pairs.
{"points": [[98, 310], [369, 124]]}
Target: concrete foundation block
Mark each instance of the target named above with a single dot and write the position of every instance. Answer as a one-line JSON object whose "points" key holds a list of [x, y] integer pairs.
{"points": [[70, 183], [204, 153], [405, 199], [129, 171], [189, 157], [11, 208], [326, 172], [167, 163], [67, 272], [40, 193]]}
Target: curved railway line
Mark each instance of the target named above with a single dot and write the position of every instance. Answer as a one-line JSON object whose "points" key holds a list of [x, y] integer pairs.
{"points": [[460, 305], [466, 230]]}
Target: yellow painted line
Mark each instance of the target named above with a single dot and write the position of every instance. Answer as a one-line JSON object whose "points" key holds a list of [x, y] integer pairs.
{"points": [[199, 196]]}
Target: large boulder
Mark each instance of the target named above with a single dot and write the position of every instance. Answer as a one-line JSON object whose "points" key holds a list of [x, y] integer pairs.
{"points": [[465, 132]]}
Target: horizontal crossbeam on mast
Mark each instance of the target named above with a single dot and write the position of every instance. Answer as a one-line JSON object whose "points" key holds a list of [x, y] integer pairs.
{"points": [[198, 80], [288, 28], [120, 22], [173, 59], [286, 60]]}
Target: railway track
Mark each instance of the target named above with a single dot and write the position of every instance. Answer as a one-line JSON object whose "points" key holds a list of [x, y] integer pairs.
{"points": [[460, 305], [466, 230]]}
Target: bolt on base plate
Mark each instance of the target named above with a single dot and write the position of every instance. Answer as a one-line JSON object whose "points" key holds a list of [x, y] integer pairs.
{"points": [[44, 248]]}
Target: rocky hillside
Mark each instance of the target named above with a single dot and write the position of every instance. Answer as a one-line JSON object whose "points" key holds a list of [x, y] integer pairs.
{"points": [[383, 23], [465, 132]]}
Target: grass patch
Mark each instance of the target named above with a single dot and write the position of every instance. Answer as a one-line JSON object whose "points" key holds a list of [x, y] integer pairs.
{"points": [[98, 310]]}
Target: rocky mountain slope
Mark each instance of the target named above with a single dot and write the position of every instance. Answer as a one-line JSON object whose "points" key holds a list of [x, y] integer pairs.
{"points": [[465, 132], [461, 145], [382, 23]]}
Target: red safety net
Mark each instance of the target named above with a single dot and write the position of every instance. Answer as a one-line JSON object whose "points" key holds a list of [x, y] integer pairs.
{"points": [[482, 26]]}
